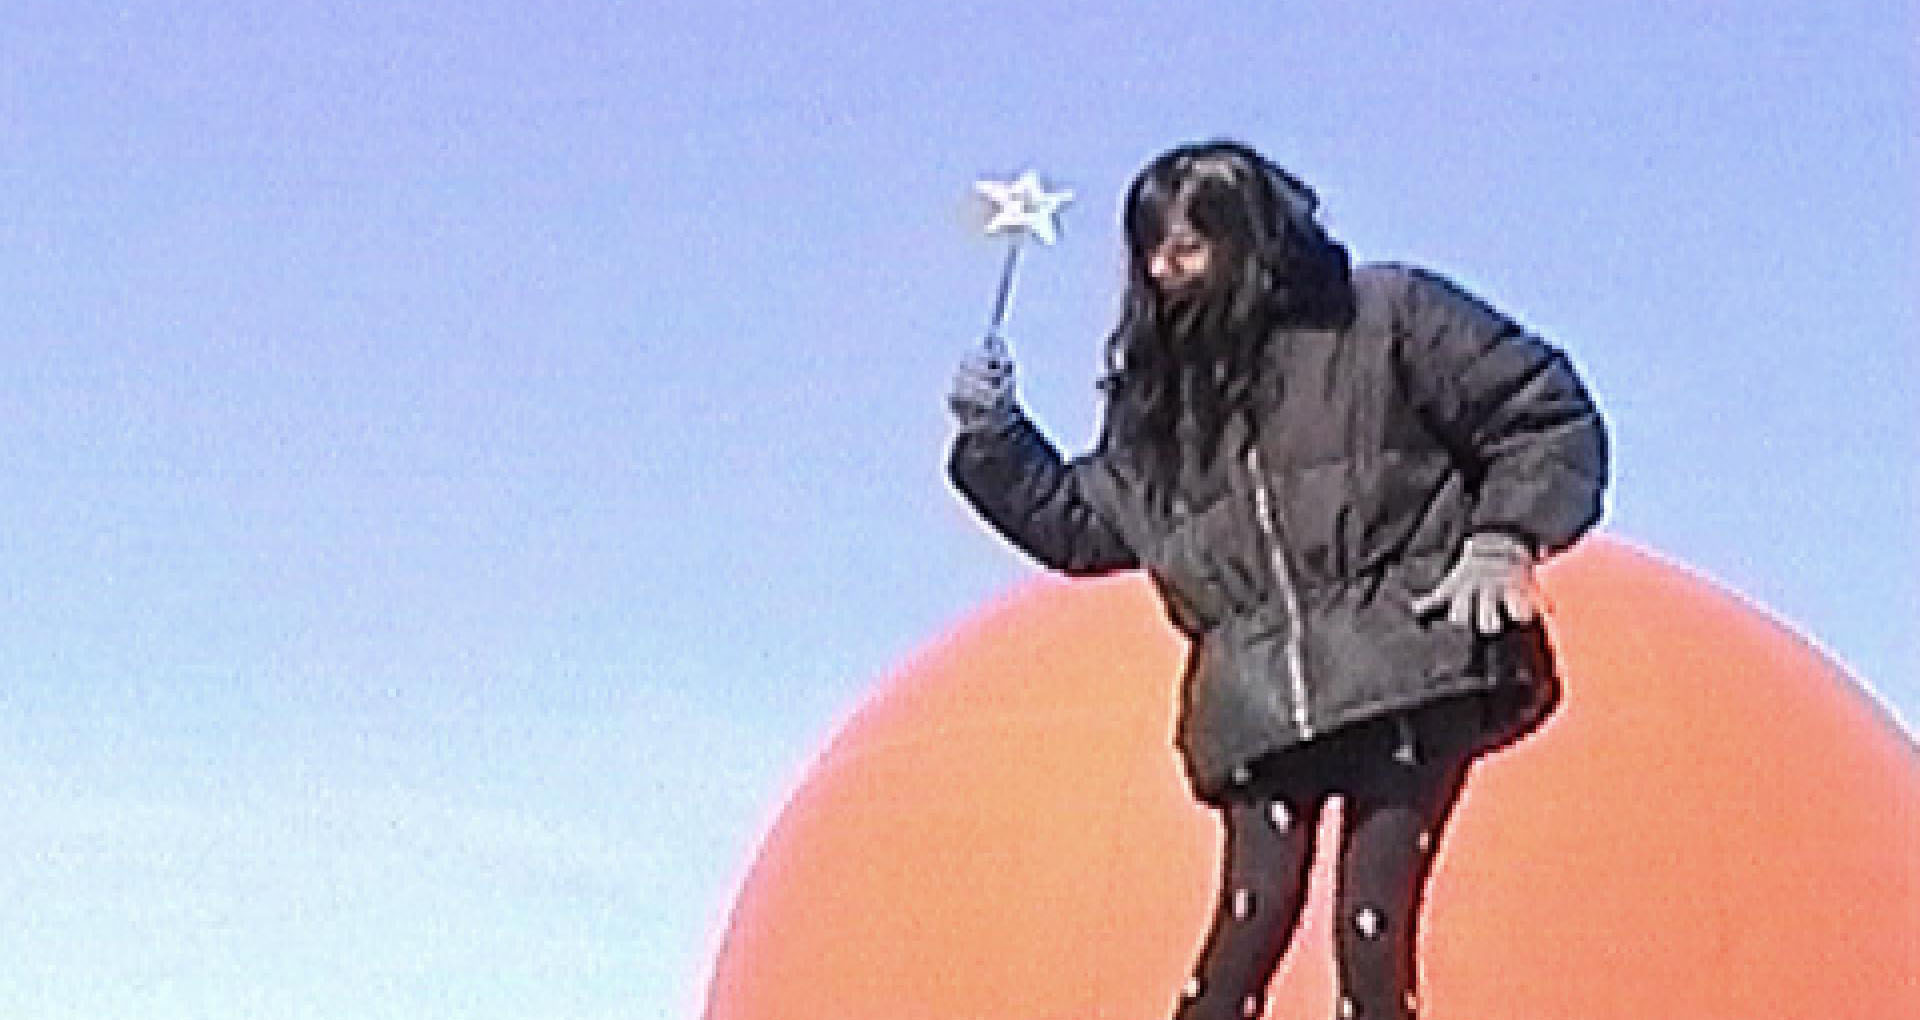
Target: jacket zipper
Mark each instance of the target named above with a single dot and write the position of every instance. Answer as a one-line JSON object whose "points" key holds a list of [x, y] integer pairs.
{"points": [[1276, 551]]}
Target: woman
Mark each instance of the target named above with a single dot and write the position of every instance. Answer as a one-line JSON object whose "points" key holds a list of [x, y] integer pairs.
{"points": [[1339, 480]]}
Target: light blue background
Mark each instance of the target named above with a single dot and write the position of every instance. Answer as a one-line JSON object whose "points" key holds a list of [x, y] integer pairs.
{"points": [[461, 460]]}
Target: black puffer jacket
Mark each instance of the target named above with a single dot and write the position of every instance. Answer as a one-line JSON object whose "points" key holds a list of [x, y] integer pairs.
{"points": [[1291, 561]]}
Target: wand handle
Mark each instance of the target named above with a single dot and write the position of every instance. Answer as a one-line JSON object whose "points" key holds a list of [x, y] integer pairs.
{"points": [[1005, 296]]}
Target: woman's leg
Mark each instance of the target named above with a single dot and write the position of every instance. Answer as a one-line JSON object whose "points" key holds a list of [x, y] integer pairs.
{"points": [[1390, 830], [1263, 884]]}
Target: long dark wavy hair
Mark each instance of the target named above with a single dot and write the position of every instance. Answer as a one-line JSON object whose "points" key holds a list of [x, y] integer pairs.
{"points": [[1197, 355]]}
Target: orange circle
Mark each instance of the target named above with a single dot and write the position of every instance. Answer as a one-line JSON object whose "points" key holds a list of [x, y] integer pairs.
{"points": [[1718, 823]]}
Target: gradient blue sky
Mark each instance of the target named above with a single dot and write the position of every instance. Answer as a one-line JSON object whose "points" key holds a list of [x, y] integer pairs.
{"points": [[461, 460]]}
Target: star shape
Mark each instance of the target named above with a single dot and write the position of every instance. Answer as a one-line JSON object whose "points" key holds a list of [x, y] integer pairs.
{"points": [[1023, 205]]}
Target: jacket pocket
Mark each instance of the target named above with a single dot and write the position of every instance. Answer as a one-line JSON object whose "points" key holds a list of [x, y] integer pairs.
{"points": [[1208, 564]]}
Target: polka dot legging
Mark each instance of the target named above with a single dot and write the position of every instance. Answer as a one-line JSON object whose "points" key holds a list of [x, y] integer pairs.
{"points": [[1396, 802]]}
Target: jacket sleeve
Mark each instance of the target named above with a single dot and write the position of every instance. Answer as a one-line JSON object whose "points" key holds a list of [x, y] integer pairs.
{"points": [[1509, 405], [1018, 482]]}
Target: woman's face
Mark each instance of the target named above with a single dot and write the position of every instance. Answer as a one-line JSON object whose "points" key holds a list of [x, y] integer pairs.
{"points": [[1179, 263]]}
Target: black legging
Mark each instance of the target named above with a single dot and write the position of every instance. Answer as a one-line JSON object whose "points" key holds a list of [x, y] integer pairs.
{"points": [[1398, 789]]}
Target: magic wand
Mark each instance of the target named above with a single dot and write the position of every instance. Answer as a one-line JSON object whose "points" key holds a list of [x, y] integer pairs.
{"points": [[1022, 207]]}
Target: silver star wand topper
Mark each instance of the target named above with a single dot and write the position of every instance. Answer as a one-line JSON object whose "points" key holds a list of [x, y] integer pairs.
{"points": [[1021, 207]]}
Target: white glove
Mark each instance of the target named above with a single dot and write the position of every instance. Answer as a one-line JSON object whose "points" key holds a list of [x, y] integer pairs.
{"points": [[1490, 585], [982, 395]]}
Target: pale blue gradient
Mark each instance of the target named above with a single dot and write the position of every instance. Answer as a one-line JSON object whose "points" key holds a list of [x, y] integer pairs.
{"points": [[461, 460]]}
